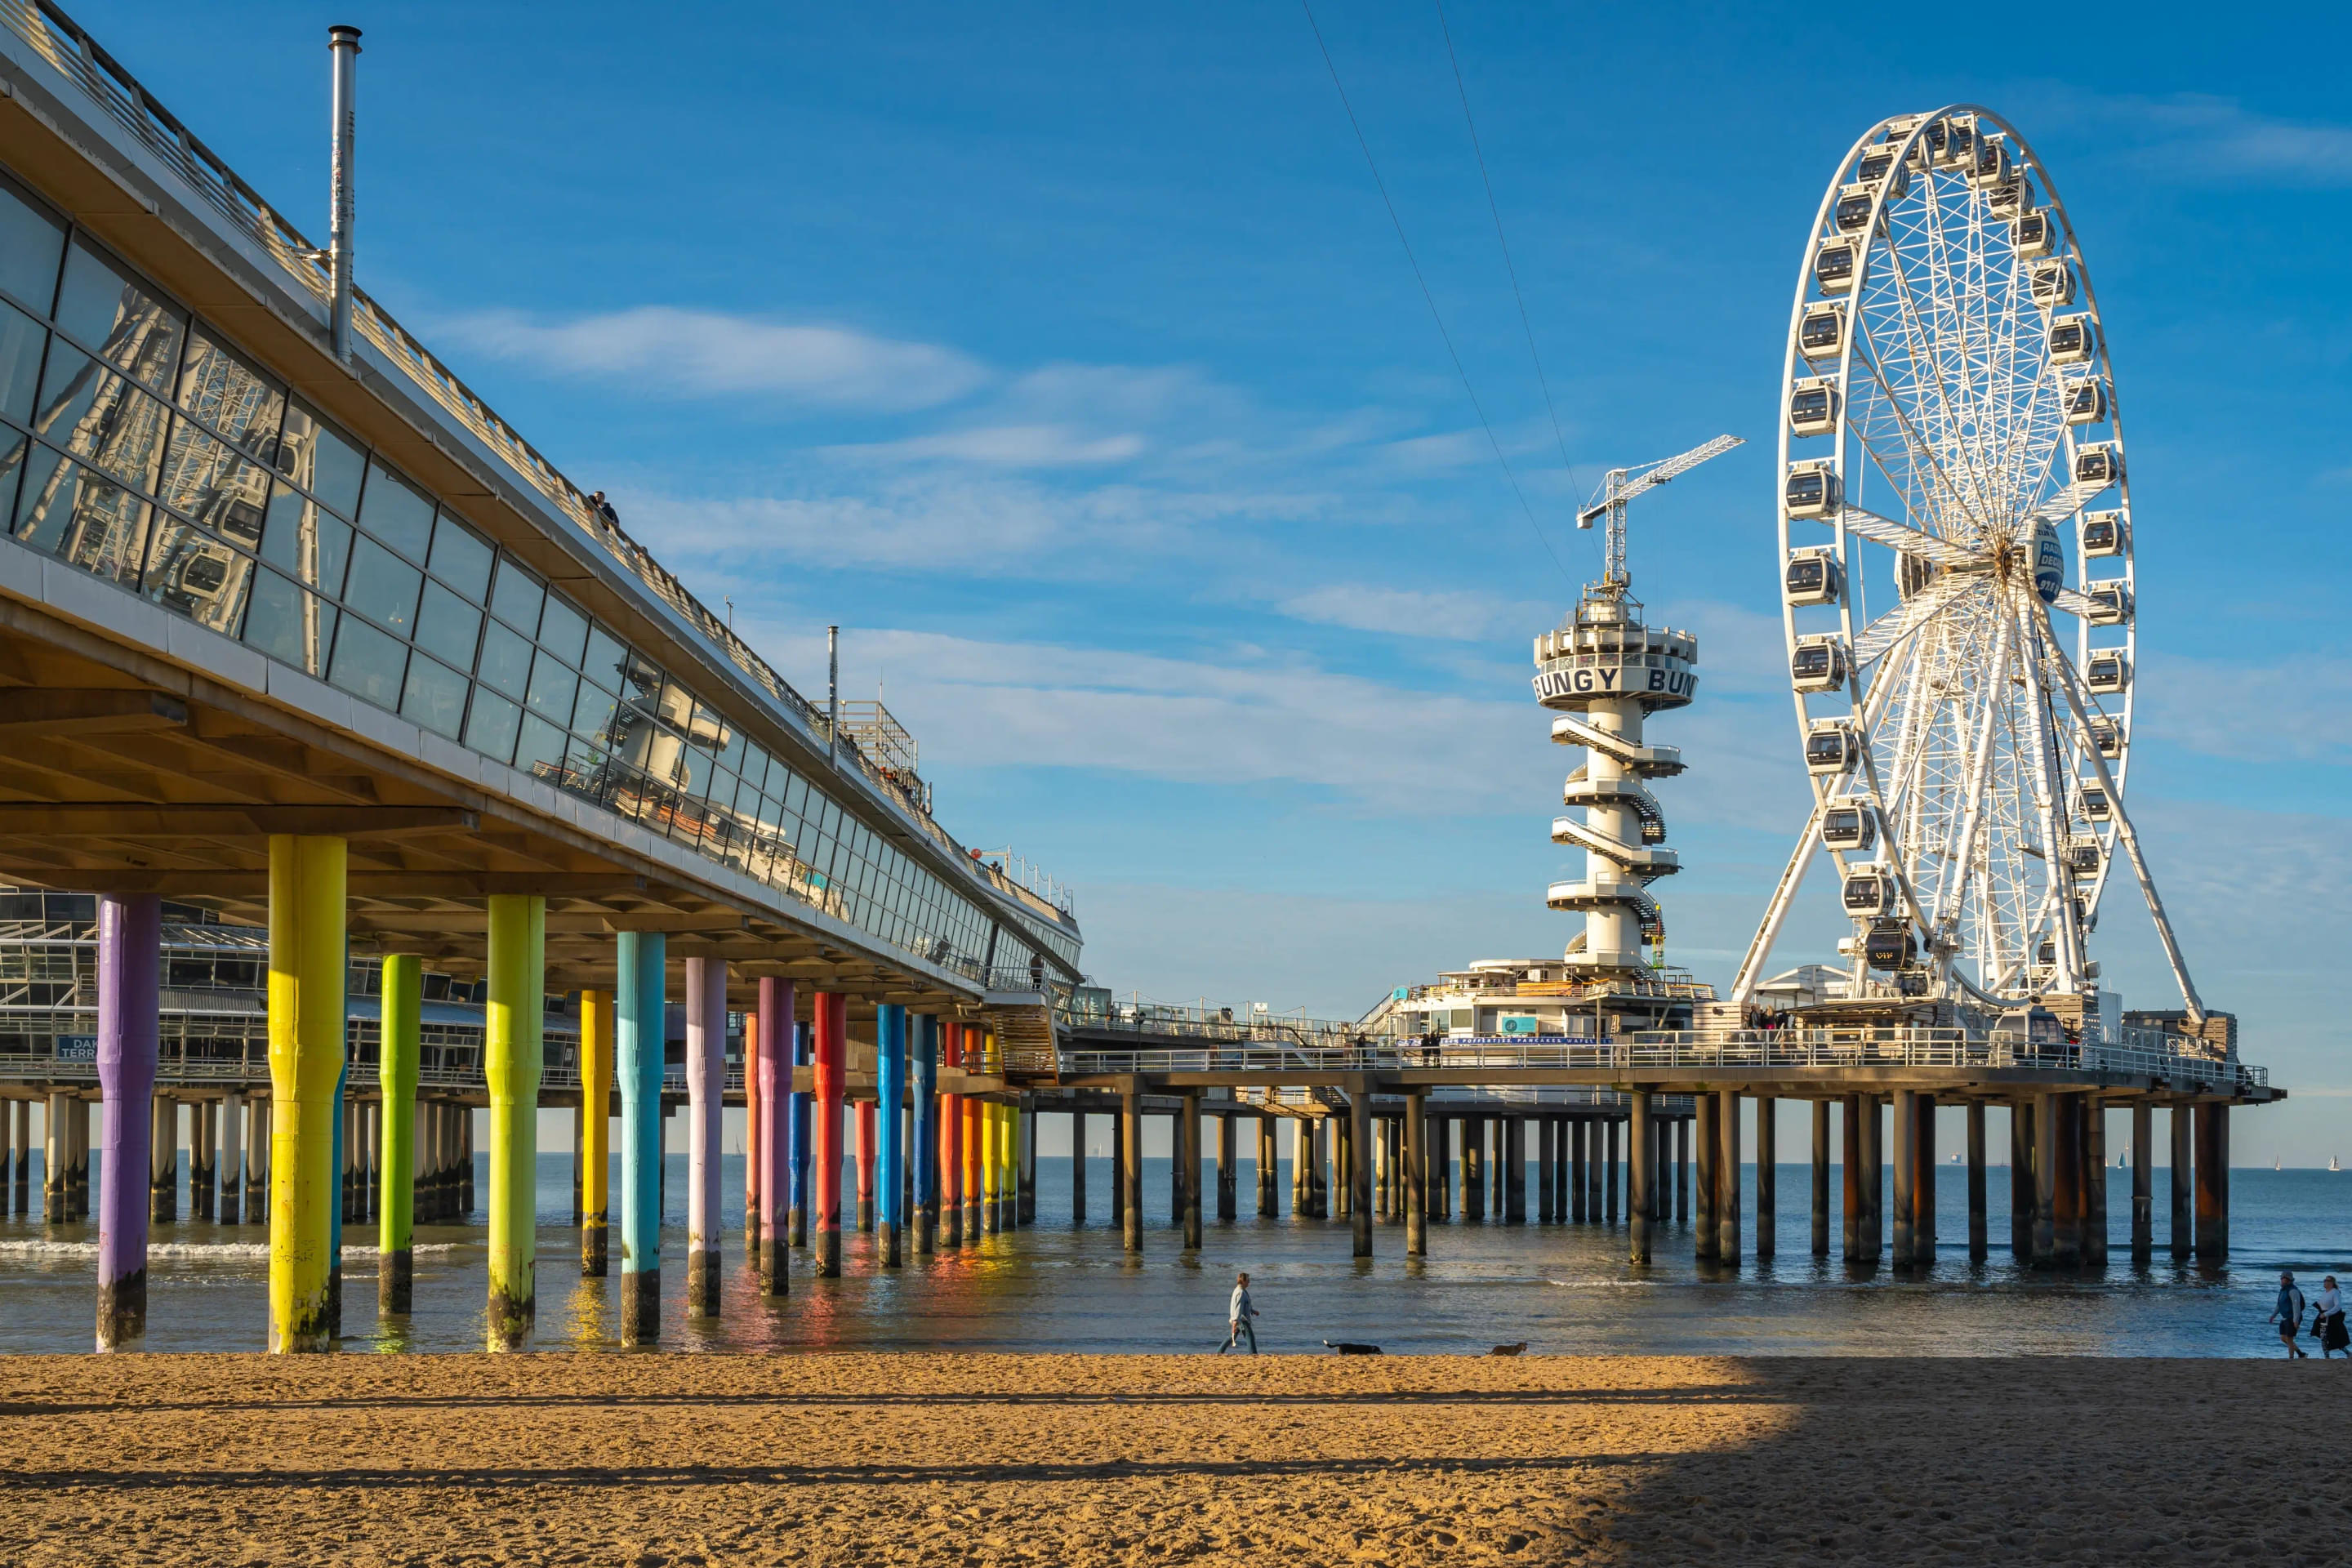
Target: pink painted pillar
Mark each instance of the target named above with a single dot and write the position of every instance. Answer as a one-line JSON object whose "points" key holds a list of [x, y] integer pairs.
{"points": [[773, 1149], [705, 1085], [831, 1031], [751, 1106], [865, 1148]]}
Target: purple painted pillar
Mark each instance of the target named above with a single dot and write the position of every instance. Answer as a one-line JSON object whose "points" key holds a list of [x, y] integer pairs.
{"points": [[129, 942]]}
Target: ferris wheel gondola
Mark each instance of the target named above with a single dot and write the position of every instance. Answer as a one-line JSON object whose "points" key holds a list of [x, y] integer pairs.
{"points": [[1949, 412]]}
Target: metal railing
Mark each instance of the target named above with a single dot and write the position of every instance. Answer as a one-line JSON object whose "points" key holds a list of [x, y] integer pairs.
{"points": [[1694, 1050], [58, 39]]}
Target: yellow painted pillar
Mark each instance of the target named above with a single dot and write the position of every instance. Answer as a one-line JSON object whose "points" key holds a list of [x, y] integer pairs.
{"points": [[511, 1055], [307, 968], [595, 1132], [992, 1136]]}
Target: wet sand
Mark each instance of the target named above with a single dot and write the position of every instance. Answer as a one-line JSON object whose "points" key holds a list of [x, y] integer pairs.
{"points": [[1080, 1461]]}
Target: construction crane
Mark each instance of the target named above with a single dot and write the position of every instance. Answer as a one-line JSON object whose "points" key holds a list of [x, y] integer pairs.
{"points": [[1621, 485]]}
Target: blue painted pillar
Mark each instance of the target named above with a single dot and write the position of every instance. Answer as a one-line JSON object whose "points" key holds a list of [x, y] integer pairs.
{"points": [[923, 1048], [638, 1016], [891, 1152], [130, 947], [802, 1118]]}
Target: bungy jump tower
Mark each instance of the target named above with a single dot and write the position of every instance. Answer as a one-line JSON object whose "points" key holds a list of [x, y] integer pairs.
{"points": [[1602, 672]]}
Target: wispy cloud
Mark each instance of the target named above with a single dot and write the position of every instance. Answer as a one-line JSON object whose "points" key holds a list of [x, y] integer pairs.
{"points": [[2199, 134], [2257, 712], [1005, 447], [1456, 614], [704, 354]]}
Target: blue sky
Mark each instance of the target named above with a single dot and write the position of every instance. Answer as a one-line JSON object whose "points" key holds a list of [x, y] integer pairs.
{"points": [[1067, 359]]}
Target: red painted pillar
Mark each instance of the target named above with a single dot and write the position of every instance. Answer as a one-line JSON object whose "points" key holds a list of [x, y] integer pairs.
{"points": [[952, 1141], [865, 1148], [832, 1053]]}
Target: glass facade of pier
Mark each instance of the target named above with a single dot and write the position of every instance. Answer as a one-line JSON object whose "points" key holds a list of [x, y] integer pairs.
{"points": [[138, 445]]}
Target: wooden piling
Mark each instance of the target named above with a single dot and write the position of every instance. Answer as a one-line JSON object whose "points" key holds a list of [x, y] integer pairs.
{"points": [[2143, 1226], [2212, 1185], [2182, 1118], [1416, 1175], [1709, 1149], [1474, 1169], [1228, 1172], [1978, 1238], [1514, 1170], [1118, 1168], [1269, 1171], [1907, 1169], [1821, 1178], [2045, 1180], [1609, 1185], [2094, 1182], [1923, 1184], [1641, 1177], [1873, 1181], [1545, 1154], [1077, 1168], [1131, 1166], [1360, 1166], [2066, 1214], [1188, 1166], [1727, 1170], [1768, 1177]]}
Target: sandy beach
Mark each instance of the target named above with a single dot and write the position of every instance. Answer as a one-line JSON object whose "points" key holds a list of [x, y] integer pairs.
{"points": [[988, 1460]]}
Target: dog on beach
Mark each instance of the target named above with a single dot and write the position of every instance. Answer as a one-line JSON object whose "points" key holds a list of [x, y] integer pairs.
{"points": [[1348, 1348], [1508, 1350]]}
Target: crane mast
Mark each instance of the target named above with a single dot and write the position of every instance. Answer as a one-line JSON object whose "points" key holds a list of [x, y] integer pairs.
{"points": [[1620, 485]]}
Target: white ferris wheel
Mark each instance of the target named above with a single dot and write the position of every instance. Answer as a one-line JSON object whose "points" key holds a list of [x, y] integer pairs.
{"points": [[1949, 434]]}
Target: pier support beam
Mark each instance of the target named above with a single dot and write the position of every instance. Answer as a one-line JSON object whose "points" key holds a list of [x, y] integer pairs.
{"points": [[1024, 1164], [2094, 1182], [2213, 1183], [2045, 1180], [772, 1054], [863, 1123], [1515, 1170], [162, 1159], [1906, 1171], [1269, 1165], [1576, 1179], [21, 1182], [830, 1027], [1978, 1240], [1682, 1170], [1360, 1166], [1923, 1184], [889, 1151], [1077, 1169], [232, 1158], [1821, 1178], [1873, 1177], [306, 974], [1642, 1153], [975, 1152], [1710, 1142], [2182, 1118], [640, 1019], [1416, 1175], [399, 1054], [130, 947], [1727, 1170], [1188, 1166], [1610, 1190], [2020, 1182], [1850, 1205], [1474, 1169], [992, 1162], [1119, 1170], [801, 1108], [951, 1149], [1768, 1177], [513, 1048], [595, 1132], [2143, 1226], [1130, 1165], [1228, 1174], [1547, 1155], [923, 1150], [2066, 1213]]}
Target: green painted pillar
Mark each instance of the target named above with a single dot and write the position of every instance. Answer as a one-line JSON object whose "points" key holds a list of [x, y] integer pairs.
{"points": [[512, 1052], [305, 1062], [398, 1052]]}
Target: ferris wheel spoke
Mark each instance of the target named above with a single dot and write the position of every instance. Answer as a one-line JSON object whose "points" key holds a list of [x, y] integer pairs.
{"points": [[1884, 633], [1910, 541]]}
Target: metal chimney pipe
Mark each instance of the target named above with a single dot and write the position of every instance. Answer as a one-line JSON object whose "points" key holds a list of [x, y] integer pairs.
{"points": [[832, 695], [343, 46]]}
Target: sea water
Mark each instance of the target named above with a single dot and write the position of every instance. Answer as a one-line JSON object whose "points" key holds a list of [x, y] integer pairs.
{"points": [[1561, 1288]]}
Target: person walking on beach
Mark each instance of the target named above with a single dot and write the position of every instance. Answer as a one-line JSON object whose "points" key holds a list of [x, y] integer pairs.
{"points": [[2327, 1323], [1238, 1313], [2288, 1315]]}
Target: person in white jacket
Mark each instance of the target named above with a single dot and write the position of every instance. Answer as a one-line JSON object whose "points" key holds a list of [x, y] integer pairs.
{"points": [[2327, 1327], [1239, 1312]]}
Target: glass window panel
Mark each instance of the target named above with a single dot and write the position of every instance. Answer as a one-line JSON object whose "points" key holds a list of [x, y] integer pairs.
{"points": [[585, 770], [539, 752], [434, 696], [100, 416], [462, 558], [369, 663], [21, 341], [706, 727], [383, 585], [448, 625], [605, 660], [225, 492], [194, 573], [219, 388], [642, 683], [591, 713], [127, 325], [396, 511], [289, 624], [320, 457], [755, 767], [491, 728], [796, 794], [732, 753], [70, 511], [676, 707], [505, 661], [563, 630], [303, 538], [552, 688], [12, 464], [517, 597], [31, 244], [693, 773]]}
